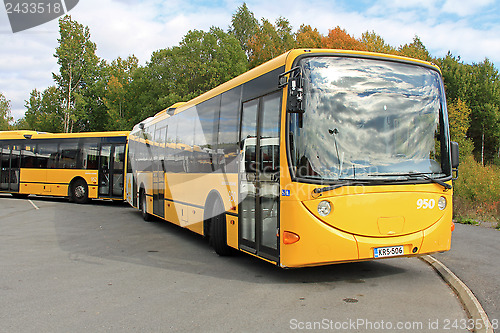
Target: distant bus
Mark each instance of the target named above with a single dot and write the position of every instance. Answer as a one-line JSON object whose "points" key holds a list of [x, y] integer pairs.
{"points": [[315, 157], [81, 166]]}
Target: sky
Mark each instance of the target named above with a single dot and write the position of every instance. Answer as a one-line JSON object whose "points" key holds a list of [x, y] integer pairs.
{"points": [[467, 28]]}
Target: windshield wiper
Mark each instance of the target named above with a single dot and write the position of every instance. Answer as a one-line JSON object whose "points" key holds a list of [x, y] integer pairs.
{"points": [[416, 174], [434, 180], [349, 182]]}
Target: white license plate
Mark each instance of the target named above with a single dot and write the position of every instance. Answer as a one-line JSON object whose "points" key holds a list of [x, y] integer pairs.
{"points": [[390, 251]]}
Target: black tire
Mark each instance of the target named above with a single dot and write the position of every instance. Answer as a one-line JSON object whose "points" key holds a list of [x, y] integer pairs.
{"points": [[142, 206], [20, 195], [80, 192], [218, 232]]}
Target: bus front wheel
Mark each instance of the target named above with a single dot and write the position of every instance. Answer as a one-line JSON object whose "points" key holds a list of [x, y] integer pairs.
{"points": [[80, 192], [218, 233]]}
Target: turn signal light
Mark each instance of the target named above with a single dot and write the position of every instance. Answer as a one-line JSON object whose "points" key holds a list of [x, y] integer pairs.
{"points": [[290, 237], [452, 226]]}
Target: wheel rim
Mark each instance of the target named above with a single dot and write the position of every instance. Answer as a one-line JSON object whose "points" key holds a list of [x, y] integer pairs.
{"points": [[79, 191]]}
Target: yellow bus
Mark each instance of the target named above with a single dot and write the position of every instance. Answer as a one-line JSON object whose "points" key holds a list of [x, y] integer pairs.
{"points": [[81, 166], [315, 157]]}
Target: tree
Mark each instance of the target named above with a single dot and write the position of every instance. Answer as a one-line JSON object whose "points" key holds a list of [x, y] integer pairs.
{"points": [[375, 43], [201, 61], [270, 41], [484, 101], [78, 69], [44, 111], [459, 120], [204, 60], [307, 37], [457, 78], [244, 26], [338, 38], [415, 49], [116, 96], [5, 117]]}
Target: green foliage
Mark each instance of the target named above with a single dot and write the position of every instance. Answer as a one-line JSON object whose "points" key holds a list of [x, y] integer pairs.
{"points": [[116, 80], [416, 49], [44, 111], [77, 73], [467, 220], [375, 43], [477, 190], [459, 119], [5, 117], [90, 94], [244, 26], [270, 41], [307, 37]]}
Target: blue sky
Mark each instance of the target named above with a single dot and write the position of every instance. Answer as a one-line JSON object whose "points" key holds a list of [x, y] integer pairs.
{"points": [[468, 28]]}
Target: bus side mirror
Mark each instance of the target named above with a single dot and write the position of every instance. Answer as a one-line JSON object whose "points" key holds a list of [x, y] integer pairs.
{"points": [[295, 89], [455, 160]]}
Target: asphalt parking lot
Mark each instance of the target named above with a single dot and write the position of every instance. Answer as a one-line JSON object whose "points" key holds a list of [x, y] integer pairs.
{"points": [[100, 268]]}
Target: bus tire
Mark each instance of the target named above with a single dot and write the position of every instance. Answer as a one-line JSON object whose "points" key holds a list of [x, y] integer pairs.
{"points": [[143, 207], [218, 232], [80, 192], [20, 195]]}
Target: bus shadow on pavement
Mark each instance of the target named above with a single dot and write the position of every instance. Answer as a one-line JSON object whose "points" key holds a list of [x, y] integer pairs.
{"points": [[110, 231]]}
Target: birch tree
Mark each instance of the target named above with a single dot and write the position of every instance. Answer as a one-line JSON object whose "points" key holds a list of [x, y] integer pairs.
{"points": [[78, 65]]}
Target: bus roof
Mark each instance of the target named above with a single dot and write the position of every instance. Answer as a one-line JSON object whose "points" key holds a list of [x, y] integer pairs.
{"points": [[22, 135]]}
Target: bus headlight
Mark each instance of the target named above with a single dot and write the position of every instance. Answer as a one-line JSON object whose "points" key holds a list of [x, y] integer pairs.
{"points": [[324, 208], [442, 203]]}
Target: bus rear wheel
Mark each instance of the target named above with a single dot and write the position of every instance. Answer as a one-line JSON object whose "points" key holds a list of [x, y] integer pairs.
{"points": [[218, 233], [143, 206], [20, 195], [80, 192]]}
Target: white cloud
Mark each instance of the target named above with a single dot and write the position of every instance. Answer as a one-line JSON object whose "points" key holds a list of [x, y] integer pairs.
{"points": [[465, 8]]}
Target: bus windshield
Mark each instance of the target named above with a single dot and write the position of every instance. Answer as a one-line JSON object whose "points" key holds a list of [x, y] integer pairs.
{"points": [[367, 119]]}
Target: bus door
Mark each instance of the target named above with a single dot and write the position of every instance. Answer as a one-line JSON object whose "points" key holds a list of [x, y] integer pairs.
{"points": [[159, 172], [111, 169], [259, 176], [10, 167]]}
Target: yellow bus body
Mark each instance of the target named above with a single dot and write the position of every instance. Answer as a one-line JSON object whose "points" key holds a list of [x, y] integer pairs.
{"points": [[56, 181], [363, 218]]}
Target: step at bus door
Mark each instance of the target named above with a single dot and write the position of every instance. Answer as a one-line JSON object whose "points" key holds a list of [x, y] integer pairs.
{"points": [[259, 176]]}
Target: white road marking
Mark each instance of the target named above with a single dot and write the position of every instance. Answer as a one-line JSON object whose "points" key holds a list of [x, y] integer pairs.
{"points": [[31, 202]]}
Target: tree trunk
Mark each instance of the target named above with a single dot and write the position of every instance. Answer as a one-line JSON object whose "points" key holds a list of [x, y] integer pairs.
{"points": [[482, 148]]}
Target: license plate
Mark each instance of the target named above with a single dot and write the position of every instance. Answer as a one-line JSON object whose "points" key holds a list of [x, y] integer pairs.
{"points": [[390, 251]]}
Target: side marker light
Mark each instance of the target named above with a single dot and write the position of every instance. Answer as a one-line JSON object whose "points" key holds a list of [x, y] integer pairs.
{"points": [[290, 237]]}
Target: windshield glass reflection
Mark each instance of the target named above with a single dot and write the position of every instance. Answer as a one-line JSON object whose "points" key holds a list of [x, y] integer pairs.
{"points": [[368, 119]]}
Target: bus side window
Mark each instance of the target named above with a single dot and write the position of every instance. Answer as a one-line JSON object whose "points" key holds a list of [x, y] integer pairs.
{"points": [[28, 159], [46, 155], [228, 136], [68, 155], [90, 155]]}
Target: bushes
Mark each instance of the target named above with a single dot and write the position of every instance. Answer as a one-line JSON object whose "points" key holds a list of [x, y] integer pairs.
{"points": [[477, 191]]}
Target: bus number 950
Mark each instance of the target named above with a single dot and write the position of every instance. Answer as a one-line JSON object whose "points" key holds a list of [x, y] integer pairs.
{"points": [[426, 203]]}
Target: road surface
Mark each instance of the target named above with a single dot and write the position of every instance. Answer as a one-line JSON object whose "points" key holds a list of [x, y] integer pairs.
{"points": [[475, 258], [101, 268]]}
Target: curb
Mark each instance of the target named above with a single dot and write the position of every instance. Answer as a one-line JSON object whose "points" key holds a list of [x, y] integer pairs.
{"points": [[470, 302]]}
